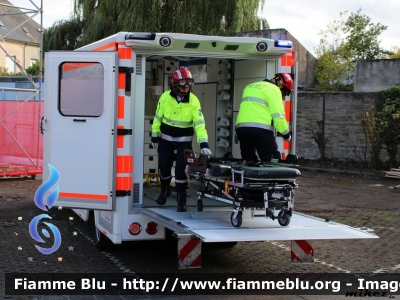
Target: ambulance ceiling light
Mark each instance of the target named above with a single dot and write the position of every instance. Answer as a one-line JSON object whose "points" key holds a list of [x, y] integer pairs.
{"points": [[261, 46], [283, 44], [165, 41], [141, 36]]}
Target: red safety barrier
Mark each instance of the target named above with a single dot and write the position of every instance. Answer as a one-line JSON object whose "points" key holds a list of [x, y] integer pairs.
{"points": [[21, 143]]}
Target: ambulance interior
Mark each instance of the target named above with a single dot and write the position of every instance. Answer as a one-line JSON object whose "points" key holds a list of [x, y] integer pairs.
{"points": [[219, 84]]}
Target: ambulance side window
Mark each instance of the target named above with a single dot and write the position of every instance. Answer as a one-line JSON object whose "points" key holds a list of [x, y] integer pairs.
{"points": [[81, 92]]}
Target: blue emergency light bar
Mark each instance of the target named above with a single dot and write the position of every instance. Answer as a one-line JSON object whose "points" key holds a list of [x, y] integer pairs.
{"points": [[283, 44], [141, 36]]}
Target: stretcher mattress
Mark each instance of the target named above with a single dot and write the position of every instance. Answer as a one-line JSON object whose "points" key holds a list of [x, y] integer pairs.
{"points": [[264, 171]]}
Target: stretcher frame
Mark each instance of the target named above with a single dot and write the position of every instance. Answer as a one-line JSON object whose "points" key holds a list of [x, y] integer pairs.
{"points": [[263, 196]]}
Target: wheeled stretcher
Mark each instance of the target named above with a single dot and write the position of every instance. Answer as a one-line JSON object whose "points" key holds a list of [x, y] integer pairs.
{"points": [[265, 188]]}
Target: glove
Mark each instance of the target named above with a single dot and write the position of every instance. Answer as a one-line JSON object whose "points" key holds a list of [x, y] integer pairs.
{"points": [[154, 145], [206, 151], [287, 136]]}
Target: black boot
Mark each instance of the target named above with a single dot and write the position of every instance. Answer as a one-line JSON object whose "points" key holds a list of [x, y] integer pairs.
{"points": [[165, 192], [181, 197]]}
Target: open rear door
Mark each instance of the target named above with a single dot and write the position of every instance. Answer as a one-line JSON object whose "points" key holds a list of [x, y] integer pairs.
{"points": [[79, 126]]}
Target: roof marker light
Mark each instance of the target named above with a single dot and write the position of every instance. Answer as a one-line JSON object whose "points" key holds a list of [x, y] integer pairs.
{"points": [[283, 44]]}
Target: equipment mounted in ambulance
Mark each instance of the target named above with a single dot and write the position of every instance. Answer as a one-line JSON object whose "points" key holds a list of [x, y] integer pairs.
{"points": [[99, 106]]}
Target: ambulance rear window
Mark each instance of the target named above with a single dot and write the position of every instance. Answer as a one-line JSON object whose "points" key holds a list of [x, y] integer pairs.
{"points": [[81, 91]]}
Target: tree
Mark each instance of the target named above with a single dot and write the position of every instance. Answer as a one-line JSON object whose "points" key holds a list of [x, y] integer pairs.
{"points": [[387, 120], [33, 70], [351, 38], [362, 37], [334, 66], [394, 52], [93, 20]]}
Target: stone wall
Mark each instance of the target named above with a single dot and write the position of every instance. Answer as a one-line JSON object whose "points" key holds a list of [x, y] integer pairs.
{"points": [[376, 75], [342, 123]]}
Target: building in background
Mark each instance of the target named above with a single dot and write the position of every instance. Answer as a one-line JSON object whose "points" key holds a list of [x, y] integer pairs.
{"points": [[20, 38]]}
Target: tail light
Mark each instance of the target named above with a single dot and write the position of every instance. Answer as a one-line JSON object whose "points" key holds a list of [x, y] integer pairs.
{"points": [[151, 228], [135, 228]]}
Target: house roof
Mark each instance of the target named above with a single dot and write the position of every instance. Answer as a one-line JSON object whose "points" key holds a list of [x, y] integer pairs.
{"points": [[10, 21]]}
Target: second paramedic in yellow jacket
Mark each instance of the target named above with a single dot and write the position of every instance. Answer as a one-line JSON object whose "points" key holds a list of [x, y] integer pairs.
{"points": [[178, 116], [261, 110]]}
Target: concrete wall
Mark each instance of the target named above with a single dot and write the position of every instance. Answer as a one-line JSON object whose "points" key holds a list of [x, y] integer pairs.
{"points": [[342, 123], [306, 61], [376, 75]]}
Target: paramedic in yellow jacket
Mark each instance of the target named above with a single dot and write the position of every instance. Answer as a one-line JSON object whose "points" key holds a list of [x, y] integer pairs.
{"points": [[178, 116], [261, 110]]}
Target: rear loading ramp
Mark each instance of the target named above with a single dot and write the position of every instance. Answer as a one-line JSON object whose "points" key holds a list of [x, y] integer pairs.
{"points": [[213, 225]]}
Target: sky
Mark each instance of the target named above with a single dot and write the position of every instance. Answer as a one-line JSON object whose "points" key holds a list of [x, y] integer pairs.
{"points": [[304, 19]]}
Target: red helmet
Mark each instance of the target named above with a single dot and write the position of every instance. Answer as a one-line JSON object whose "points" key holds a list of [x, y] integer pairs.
{"points": [[182, 77], [287, 81]]}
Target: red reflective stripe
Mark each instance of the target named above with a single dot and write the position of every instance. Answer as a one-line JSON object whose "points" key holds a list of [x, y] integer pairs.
{"points": [[121, 107], [121, 80], [188, 248], [124, 53], [120, 139], [287, 60], [124, 164], [305, 246], [84, 196], [124, 183], [288, 111], [107, 46], [286, 145]]}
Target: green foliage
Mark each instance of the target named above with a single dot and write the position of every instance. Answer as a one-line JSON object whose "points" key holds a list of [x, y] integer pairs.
{"points": [[93, 20], [351, 38], [387, 120], [372, 136], [33, 70], [394, 53], [362, 37]]}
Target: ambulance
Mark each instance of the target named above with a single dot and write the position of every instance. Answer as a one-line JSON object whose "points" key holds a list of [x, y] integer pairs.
{"points": [[100, 102]]}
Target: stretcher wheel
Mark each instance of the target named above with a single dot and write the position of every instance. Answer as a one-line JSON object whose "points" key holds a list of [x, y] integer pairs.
{"points": [[285, 220], [236, 222], [199, 205]]}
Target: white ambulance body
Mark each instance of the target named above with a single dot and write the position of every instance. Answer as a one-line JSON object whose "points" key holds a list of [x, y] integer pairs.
{"points": [[100, 101]]}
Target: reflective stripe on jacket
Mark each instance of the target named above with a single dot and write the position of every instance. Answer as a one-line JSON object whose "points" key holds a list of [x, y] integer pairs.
{"points": [[262, 103], [182, 115]]}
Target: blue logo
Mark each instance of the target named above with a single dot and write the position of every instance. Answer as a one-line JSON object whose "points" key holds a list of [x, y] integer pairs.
{"points": [[41, 201]]}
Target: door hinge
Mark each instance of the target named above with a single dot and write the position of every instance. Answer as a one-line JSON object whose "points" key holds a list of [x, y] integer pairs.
{"points": [[121, 193], [126, 70], [124, 131], [128, 77]]}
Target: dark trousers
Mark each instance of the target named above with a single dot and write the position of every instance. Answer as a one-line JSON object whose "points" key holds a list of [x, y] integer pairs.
{"points": [[254, 140], [166, 157]]}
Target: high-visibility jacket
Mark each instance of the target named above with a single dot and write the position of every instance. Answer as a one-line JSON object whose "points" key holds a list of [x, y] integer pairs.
{"points": [[261, 104], [177, 121]]}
